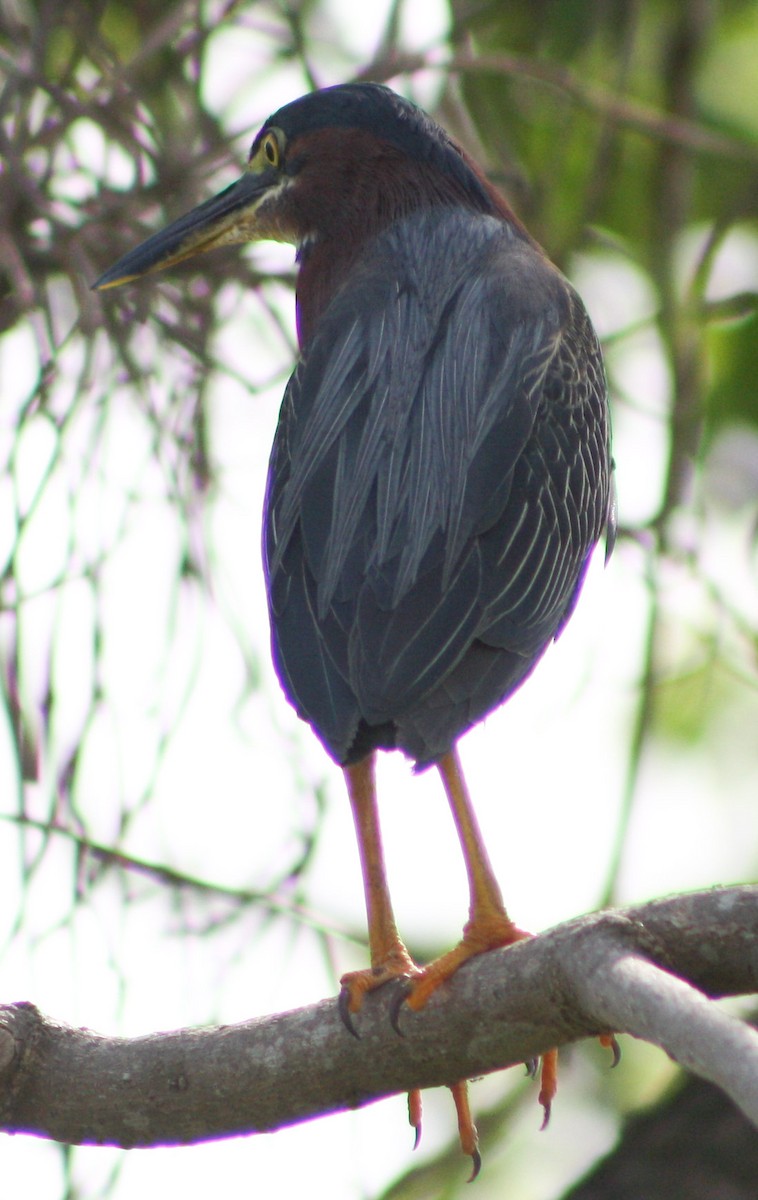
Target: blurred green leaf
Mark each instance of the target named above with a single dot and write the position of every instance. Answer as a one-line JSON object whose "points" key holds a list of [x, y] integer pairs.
{"points": [[733, 355]]}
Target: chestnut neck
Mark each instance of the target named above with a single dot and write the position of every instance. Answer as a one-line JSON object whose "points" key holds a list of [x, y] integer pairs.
{"points": [[345, 200]]}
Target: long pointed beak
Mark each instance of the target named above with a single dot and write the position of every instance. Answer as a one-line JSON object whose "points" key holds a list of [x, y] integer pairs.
{"points": [[226, 219]]}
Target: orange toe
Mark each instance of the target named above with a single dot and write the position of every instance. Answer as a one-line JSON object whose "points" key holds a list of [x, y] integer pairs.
{"points": [[356, 985], [548, 1084], [478, 937], [414, 1114], [469, 1138]]}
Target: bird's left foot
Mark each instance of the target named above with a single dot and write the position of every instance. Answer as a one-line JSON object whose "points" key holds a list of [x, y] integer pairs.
{"points": [[486, 932], [490, 932]]}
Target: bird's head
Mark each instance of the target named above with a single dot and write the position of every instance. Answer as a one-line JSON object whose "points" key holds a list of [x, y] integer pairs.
{"points": [[330, 168]]}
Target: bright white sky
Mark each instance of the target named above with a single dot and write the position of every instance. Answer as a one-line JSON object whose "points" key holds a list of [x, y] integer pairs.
{"points": [[547, 772]]}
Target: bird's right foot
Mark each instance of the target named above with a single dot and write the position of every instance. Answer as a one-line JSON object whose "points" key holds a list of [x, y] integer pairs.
{"points": [[400, 967], [356, 985]]}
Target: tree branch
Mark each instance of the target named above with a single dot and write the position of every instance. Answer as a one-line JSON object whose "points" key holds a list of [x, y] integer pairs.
{"points": [[647, 970]]}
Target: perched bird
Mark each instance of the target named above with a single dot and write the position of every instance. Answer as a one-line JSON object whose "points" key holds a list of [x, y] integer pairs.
{"points": [[441, 470]]}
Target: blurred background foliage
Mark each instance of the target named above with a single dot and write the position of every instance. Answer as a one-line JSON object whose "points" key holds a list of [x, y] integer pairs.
{"points": [[625, 133]]}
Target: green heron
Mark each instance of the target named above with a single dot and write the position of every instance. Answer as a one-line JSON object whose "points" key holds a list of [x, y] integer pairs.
{"points": [[441, 469]]}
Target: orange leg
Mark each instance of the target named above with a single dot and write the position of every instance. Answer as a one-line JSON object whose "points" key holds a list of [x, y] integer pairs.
{"points": [[488, 928], [489, 925], [389, 957]]}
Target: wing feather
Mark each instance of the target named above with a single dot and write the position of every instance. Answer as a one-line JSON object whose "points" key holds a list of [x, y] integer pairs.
{"points": [[438, 479]]}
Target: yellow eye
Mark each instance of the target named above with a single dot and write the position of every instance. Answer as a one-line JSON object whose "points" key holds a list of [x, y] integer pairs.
{"points": [[270, 150]]}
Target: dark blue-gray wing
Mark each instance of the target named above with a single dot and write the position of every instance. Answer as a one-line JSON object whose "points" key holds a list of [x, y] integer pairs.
{"points": [[438, 478]]}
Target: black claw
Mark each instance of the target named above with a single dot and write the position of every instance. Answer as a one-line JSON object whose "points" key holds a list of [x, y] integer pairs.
{"points": [[476, 1161], [532, 1066], [343, 1006], [417, 1134], [546, 1116], [398, 1000], [615, 1050]]}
